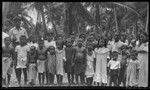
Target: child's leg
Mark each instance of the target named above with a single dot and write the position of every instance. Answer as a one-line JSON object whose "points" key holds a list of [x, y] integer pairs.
{"points": [[91, 80], [69, 78], [51, 78], [77, 80], [43, 78], [61, 79], [115, 77], [58, 79], [72, 77], [82, 78], [8, 76], [47, 76], [39, 77], [25, 75], [18, 75]]}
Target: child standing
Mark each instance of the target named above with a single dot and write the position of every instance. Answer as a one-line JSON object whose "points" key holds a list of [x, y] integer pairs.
{"points": [[132, 69], [32, 64], [42, 57], [7, 63], [51, 64], [101, 53], [114, 66], [69, 61], [60, 58], [90, 65], [80, 62], [21, 57]]}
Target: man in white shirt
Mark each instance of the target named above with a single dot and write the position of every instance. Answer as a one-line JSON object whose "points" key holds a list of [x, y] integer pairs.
{"points": [[17, 31]]}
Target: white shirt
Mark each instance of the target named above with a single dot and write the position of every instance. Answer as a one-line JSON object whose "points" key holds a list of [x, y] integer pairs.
{"points": [[33, 44], [4, 35], [22, 55], [17, 33], [116, 46], [114, 64], [47, 44]]}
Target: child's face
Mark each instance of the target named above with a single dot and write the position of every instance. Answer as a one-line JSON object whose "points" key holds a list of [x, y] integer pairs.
{"points": [[33, 39], [7, 41], [133, 57], [41, 43], [52, 50], [32, 49], [69, 43], [49, 38], [101, 43], [115, 56], [23, 40]]}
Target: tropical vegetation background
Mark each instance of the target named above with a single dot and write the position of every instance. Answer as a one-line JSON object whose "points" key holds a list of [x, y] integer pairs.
{"points": [[102, 18]]}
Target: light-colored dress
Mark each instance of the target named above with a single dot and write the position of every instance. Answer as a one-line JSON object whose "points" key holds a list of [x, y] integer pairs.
{"points": [[60, 58], [32, 72], [51, 63], [6, 62], [143, 70], [90, 68], [22, 55], [41, 66], [131, 78], [101, 64]]}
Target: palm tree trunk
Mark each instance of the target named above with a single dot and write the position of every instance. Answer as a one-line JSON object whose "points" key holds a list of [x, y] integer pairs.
{"points": [[5, 9], [43, 21], [146, 29], [116, 23]]}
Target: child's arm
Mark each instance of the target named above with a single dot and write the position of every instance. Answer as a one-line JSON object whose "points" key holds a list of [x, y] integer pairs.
{"points": [[12, 53]]}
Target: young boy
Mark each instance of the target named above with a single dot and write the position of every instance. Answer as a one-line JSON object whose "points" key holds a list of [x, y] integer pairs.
{"points": [[7, 64], [42, 57], [21, 57], [69, 61], [32, 61], [80, 62], [114, 66], [51, 64]]}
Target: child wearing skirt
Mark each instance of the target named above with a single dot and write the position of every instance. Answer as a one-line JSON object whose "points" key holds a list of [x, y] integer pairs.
{"points": [[90, 68], [60, 59], [32, 65], [132, 70], [7, 64], [42, 57]]}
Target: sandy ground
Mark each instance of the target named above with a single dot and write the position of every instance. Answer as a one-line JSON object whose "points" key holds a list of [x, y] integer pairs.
{"points": [[14, 83]]}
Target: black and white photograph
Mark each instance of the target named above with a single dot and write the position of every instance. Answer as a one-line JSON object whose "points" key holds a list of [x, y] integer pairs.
{"points": [[75, 44]]}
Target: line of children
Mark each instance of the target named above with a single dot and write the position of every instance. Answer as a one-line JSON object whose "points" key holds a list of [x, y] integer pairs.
{"points": [[50, 59]]}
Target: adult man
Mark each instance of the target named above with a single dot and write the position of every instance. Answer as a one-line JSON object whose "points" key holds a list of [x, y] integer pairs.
{"points": [[17, 31]]}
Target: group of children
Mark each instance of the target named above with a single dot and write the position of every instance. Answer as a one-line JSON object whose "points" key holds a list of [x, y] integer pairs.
{"points": [[95, 62]]}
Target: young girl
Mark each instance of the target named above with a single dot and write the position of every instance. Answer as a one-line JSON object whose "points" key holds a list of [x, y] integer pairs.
{"points": [[90, 66], [47, 43], [21, 57], [32, 64], [7, 64], [114, 66], [133, 65], [101, 53], [60, 58], [69, 61], [51, 64], [143, 51], [42, 57]]}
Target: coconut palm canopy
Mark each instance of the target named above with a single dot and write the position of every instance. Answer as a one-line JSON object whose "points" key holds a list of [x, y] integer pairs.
{"points": [[74, 18]]}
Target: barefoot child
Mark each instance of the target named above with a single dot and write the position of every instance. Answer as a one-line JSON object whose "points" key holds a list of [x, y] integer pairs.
{"points": [[132, 68], [60, 58], [90, 65], [21, 57], [101, 53], [7, 64], [80, 62], [42, 57], [114, 66], [69, 61], [51, 64], [32, 64]]}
